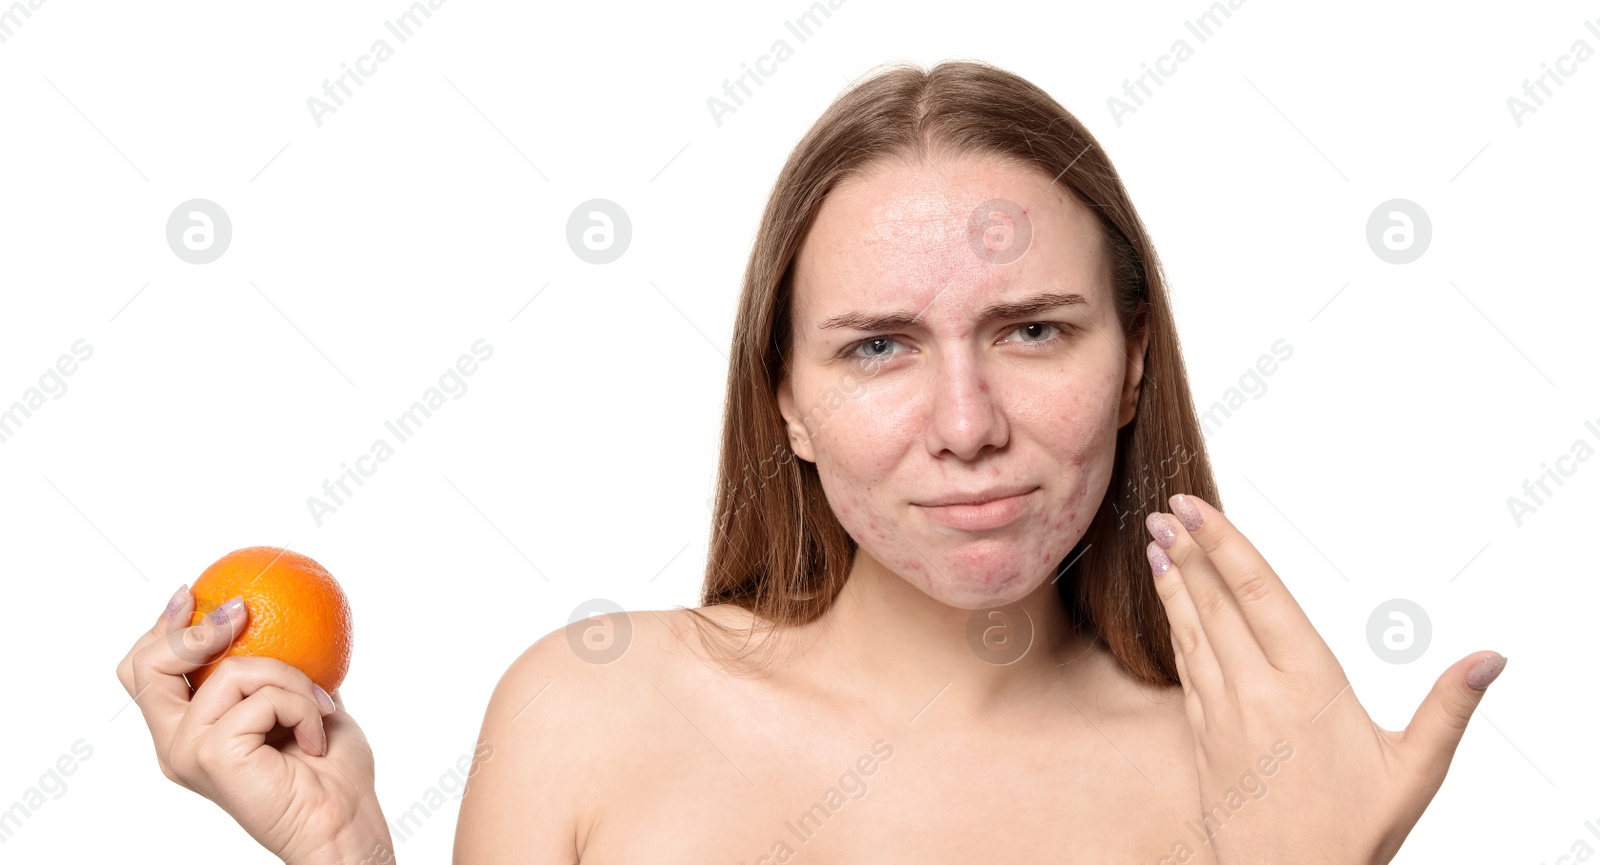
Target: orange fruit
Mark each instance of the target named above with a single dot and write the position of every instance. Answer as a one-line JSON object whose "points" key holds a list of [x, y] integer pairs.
{"points": [[297, 612]]}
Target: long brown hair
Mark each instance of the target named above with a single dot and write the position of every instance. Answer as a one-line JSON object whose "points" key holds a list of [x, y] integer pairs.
{"points": [[776, 548]]}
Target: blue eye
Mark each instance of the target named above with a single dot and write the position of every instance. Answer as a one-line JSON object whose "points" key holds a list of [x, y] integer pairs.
{"points": [[876, 349], [1032, 325], [871, 343]]}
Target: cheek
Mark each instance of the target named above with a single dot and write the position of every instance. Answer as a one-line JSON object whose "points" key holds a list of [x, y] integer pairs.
{"points": [[862, 433], [1077, 429], [851, 498], [859, 445]]}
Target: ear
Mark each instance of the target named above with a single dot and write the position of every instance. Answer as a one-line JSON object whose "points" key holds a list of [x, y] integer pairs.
{"points": [[799, 437], [1133, 376]]}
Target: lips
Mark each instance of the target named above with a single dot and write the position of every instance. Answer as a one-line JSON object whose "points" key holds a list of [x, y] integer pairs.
{"points": [[981, 511], [976, 498]]}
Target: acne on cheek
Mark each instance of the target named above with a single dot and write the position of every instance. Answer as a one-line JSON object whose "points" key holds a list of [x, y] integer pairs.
{"points": [[877, 535], [1059, 524], [846, 511], [913, 566], [1061, 521]]}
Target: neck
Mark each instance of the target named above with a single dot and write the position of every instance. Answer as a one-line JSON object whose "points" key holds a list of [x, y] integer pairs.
{"points": [[885, 639]]}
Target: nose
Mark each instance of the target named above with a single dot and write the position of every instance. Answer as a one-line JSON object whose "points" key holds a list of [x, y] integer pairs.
{"points": [[966, 415]]}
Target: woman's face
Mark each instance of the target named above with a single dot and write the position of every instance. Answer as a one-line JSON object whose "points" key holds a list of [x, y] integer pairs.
{"points": [[954, 341]]}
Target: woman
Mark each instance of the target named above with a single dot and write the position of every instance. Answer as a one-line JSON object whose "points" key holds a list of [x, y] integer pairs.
{"points": [[934, 626]]}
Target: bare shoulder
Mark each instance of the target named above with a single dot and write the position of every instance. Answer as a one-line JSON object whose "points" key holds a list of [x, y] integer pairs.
{"points": [[568, 720], [578, 674]]}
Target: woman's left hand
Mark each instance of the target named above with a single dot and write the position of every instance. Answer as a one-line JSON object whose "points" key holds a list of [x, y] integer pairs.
{"points": [[1292, 769]]}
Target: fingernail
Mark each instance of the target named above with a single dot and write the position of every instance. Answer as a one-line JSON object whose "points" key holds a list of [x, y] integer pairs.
{"points": [[1160, 529], [324, 701], [1159, 563], [1485, 672], [231, 611], [1187, 513], [178, 597]]}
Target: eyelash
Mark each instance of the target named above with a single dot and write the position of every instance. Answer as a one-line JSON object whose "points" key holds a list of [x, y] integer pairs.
{"points": [[1063, 330]]}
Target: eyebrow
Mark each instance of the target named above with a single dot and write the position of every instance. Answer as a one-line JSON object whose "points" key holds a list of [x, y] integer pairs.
{"points": [[1004, 311]]}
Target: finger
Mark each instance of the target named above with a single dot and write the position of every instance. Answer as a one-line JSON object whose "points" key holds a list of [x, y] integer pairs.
{"points": [[1231, 639], [1192, 709], [158, 668], [1281, 627], [1439, 723], [339, 726], [175, 615], [1195, 659], [248, 722], [236, 678], [346, 742], [1177, 656]]}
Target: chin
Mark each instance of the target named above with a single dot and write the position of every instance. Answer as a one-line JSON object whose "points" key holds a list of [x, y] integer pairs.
{"points": [[986, 589]]}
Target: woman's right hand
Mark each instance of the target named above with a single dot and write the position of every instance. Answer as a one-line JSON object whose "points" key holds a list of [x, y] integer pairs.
{"points": [[307, 798]]}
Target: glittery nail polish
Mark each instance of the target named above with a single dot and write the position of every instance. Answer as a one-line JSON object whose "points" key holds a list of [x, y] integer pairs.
{"points": [[1486, 671], [1159, 563], [1187, 513], [178, 598], [232, 610], [1161, 529]]}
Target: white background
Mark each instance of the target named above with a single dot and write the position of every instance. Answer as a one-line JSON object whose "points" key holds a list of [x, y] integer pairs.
{"points": [[429, 210]]}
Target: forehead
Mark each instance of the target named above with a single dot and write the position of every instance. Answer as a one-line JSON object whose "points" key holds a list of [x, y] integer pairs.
{"points": [[907, 234]]}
